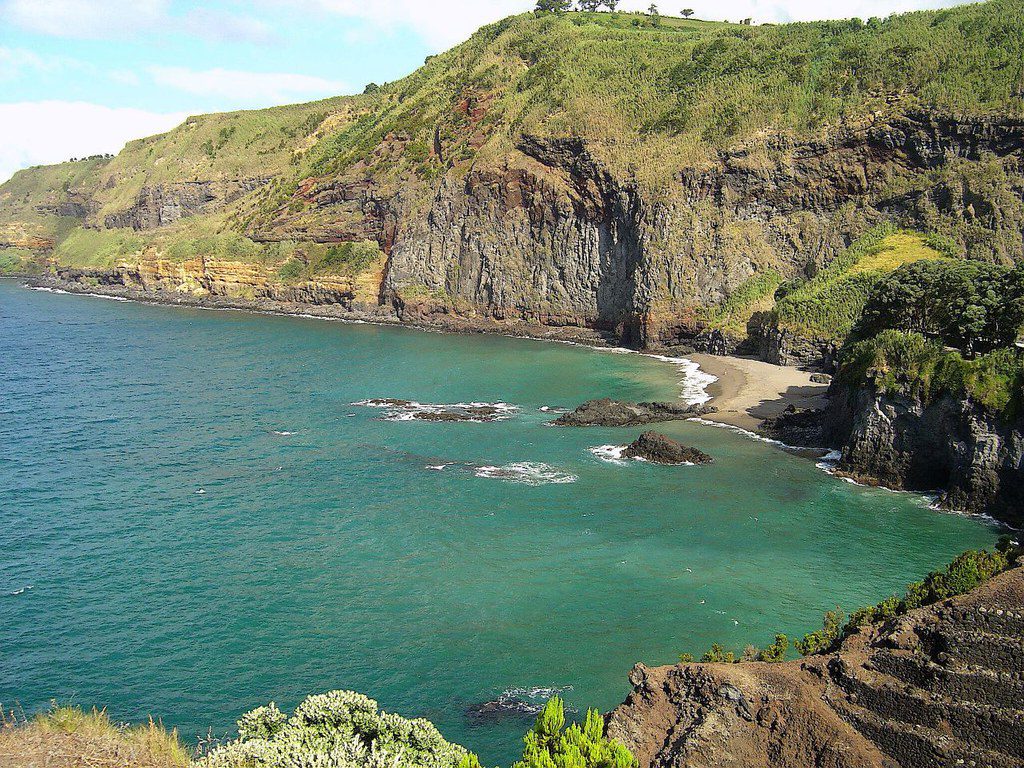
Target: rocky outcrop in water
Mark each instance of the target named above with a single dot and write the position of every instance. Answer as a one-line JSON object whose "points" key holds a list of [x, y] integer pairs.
{"points": [[614, 413], [659, 449], [938, 688], [974, 457]]}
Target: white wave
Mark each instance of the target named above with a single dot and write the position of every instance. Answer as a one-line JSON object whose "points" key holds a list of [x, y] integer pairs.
{"points": [[21, 591], [745, 433], [526, 473], [411, 410], [829, 461], [610, 453], [695, 382], [438, 467], [283, 434], [45, 289]]}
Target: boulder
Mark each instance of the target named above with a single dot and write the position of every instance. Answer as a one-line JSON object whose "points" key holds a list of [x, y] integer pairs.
{"points": [[659, 449]]}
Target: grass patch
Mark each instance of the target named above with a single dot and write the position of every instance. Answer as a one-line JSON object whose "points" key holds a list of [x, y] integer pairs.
{"points": [[829, 305], [98, 248], [909, 364], [67, 737]]}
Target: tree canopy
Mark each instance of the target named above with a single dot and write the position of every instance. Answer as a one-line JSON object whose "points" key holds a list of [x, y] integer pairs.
{"points": [[973, 306]]}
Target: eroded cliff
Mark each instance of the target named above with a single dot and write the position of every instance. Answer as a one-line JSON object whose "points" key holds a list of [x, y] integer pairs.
{"points": [[939, 687]]}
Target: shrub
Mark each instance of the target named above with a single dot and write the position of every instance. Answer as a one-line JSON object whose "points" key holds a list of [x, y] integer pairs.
{"points": [[823, 639], [550, 745], [909, 364], [340, 729], [349, 258], [718, 655], [775, 652]]}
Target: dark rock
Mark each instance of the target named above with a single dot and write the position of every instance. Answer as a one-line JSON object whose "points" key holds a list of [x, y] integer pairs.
{"points": [[821, 378], [956, 446], [614, 413], [799, 427], [659, 449], [471, 413]]}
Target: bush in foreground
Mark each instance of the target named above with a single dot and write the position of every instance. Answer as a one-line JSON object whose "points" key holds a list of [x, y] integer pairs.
{"points": [[340, 729]]}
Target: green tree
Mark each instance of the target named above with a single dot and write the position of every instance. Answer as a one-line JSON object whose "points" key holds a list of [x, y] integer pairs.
{"points": [[590, 6], [549, 744], [687, 13], [775, 652], [971, 305], [611, 4], [823, 639], [718, 655]]}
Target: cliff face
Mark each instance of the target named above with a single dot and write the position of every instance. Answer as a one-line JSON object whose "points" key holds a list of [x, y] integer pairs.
{"points": [[953, 445], [552, 236], [231, 283], [938, 687], [165, 204]]}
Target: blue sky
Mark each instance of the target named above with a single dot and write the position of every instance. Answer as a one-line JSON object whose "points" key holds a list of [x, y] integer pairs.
{"points": [[81, 77]]}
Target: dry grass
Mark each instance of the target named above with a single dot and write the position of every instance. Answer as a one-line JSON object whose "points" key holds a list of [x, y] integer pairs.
{"points": [[68, 737]]}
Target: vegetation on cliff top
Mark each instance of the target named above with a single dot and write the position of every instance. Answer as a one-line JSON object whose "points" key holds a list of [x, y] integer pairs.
{"points": [[906, 363], [828, 305]]}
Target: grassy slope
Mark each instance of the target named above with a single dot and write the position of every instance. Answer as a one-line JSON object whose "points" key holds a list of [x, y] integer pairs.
{"points": [[828, 305], [648, 100]]}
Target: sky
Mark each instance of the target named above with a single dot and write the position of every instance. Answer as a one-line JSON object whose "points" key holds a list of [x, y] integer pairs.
{"points": [[82, 77]]}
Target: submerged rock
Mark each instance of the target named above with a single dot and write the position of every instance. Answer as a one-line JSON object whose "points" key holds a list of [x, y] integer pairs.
{"points": [[659, 449], [614, 413]]}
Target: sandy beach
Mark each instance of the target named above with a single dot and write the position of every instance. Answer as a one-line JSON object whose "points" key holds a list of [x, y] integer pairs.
{"points": [[749, 391]]}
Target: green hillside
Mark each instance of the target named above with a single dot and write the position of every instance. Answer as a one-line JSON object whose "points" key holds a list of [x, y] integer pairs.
{"points": [[651, 103]]}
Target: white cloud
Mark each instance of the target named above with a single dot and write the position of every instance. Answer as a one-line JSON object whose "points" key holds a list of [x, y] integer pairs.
{"points": [[112, 19], [212, 24], [14, 61], [84, 18], [39, 132], [264, 88]]}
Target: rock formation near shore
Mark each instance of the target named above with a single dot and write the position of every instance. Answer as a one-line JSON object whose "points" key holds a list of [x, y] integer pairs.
{"points": [[937, 688], [973, 457], [659, 449], [606, 412]]}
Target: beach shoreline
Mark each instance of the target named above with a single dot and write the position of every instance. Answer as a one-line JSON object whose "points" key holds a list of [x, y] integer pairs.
{"points": [[745, 390], [748, 391]]}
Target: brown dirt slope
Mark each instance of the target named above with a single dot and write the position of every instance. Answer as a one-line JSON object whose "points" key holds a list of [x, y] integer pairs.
{"points": [[941, 686]]}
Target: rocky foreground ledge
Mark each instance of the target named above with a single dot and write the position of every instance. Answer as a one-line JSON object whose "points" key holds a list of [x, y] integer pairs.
{"points": [[941, 687]]}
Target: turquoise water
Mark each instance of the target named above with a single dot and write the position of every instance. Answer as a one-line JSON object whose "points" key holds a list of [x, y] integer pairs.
{"points": [[334, 558]]}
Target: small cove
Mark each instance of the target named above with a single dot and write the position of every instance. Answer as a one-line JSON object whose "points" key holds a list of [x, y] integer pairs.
{"points": [[207, 522]]}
